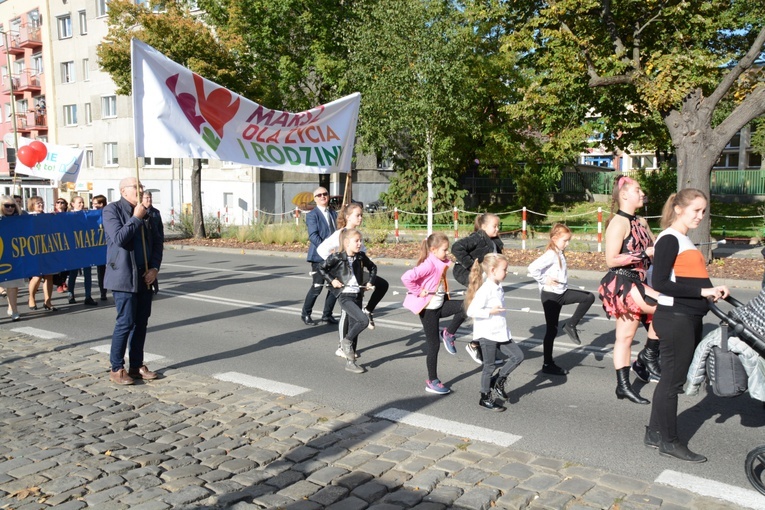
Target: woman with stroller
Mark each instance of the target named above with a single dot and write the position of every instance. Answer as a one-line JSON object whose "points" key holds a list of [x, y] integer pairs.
{"points": [[680, 275]]}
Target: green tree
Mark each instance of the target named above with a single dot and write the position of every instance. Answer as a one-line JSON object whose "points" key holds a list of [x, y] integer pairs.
{"points": [[410, 59], [292, 48], [635, 69], [183, 39]]}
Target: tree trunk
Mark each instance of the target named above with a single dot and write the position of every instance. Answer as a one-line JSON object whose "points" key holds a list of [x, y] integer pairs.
{"points": [[196, 199]]}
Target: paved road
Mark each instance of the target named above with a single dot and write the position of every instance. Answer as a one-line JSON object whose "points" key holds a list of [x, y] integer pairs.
{"points": [[238, 315]]}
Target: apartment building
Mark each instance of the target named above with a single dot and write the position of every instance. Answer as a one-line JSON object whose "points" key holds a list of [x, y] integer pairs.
{"points": [[24, 40]]}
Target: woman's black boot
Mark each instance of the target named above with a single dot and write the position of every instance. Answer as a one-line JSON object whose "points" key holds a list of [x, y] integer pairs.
{"points": [[498, 388], [649, 358], [624, 389]]}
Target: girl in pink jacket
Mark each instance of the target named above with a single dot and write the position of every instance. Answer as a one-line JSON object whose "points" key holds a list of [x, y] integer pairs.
{"points": [[428, 297]]}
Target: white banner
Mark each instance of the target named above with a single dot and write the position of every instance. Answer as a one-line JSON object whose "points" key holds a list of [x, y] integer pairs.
{"points": [[39, 159], [179, 114]]}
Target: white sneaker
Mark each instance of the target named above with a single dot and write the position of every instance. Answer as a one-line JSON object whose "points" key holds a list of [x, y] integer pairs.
{"points": [[339, 353], [474, 353]]}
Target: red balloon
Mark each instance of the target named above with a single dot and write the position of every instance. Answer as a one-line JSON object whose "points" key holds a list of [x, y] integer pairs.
{"points": [[27, 156], [40, 149]]}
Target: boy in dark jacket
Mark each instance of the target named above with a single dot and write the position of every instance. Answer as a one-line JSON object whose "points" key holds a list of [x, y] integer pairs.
{"points": [[344, 271]]}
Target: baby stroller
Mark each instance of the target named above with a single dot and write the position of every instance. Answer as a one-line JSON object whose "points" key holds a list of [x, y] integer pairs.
{"points": [[732, 359]]}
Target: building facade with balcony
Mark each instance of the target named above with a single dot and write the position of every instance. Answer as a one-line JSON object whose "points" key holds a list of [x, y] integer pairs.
{"points": [[24, 49]]}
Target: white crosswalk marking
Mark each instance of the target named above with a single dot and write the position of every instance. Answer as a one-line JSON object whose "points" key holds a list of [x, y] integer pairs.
{"points": [[743, 497], [262, 384], [448, 426]]}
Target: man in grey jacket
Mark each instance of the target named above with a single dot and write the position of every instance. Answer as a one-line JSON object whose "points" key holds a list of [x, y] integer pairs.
{"points": [[133, 258]]}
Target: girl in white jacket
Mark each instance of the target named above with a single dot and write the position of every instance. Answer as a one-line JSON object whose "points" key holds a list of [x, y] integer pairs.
{"points": [[485, 303], [551, 272]]}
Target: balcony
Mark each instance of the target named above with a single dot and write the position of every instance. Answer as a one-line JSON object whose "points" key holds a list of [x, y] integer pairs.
{"points": [[27, 81], [14, 48], [26, 122], [14, 79], [29, 37]]}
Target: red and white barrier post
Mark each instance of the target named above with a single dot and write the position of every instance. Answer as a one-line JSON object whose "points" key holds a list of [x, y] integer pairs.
{"points": [[172, 218], [523, 230], [395, 223], [218, 221], [600, 229], [297, 216]]}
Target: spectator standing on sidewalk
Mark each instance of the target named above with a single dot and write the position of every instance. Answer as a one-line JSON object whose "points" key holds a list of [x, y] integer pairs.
{"points": [[134, 255], [78, 204], [321, 222], [153, 214], [11, 287], [99, 202]]}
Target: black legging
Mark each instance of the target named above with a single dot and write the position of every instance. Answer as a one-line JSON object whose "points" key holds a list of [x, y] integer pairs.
{"points": [[381, 287], [429, 319], [679, 335], [357, 320], [552, 304]]}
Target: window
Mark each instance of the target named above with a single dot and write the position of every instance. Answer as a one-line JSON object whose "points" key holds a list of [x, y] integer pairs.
{"points": [[64, 26], [642, 162], [37, 63], [729, 160], [22, 106], [156, 197], [87, 160], [88, 114], [110, 154], [33, 19], [228, 200], [755, 160], [108, 107], [102, 7], [83, 17], [603, 161], [157, 161], [70, 115], [67, 72], [85, 69], [7, 112], [734, 142]]}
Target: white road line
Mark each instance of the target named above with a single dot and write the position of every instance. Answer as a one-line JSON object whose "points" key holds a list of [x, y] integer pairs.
{"points": [[745, 498], [39, 333], [262, 384], [222, 270], [147, 356], [448, 426]]}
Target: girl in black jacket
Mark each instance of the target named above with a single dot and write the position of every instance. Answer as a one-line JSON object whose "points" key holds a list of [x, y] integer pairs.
{"points": [[485, 239], [344, 272]]}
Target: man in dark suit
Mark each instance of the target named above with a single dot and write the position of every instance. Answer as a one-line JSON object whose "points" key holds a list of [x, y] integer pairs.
{"points": [[133, 257], [321, 223]]}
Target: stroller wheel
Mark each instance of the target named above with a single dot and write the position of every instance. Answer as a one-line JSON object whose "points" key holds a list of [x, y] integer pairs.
{"points": [[755, 468]]}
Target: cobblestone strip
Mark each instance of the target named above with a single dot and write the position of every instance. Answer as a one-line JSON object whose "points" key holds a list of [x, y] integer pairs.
{"points": [[70, 439]]}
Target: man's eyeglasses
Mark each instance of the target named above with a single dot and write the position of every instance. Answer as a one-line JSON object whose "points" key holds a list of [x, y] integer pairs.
{"points": [[317, 195]]}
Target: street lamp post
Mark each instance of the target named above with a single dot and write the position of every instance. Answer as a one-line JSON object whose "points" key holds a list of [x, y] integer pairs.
{"points": [[6, 40]]}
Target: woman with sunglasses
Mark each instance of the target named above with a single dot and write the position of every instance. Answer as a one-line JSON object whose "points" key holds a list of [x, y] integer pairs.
{"points": [[36, 205], [12, 286]]}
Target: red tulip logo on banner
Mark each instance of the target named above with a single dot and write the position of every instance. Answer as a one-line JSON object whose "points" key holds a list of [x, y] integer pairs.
{"points": [[55, 162]]}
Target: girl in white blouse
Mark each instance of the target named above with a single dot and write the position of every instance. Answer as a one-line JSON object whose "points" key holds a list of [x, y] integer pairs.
{"points": [[485, 303], [551, 272]]}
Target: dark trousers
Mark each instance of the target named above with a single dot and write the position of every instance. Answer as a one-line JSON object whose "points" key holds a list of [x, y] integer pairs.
{"points": [[133, 312], [679, 335], [100, 272], [552, 304], [489, 349], [317, 284], [429, 319], [87, 277], [357, 320], [381, 287]]}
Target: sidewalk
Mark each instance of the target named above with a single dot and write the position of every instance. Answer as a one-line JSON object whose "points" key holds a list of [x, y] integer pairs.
{"points": [[71, 439]]}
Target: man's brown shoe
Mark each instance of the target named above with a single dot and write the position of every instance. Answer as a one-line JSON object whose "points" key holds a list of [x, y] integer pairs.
{"points": [[120, 377], [143, 373]]}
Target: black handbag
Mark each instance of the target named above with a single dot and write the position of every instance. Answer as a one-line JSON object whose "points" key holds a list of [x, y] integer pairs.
{"points": [[725, 371]]}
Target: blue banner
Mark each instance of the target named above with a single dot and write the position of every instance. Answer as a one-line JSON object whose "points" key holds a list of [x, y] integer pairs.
{"points": [[40, 244]]}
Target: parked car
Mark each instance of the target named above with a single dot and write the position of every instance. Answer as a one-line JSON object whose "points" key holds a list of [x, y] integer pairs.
{"points": [[376, 206]]}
